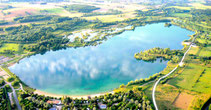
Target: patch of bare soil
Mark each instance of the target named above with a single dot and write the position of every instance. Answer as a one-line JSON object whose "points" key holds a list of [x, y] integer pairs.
{"points": [[183, 100]]}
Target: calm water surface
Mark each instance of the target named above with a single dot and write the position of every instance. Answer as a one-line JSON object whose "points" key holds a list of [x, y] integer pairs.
{"points": [[96, 69]]}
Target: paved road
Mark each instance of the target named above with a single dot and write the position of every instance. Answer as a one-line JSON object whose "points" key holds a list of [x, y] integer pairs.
{"points": [[156, 83], [15, 97], [13, 92]]}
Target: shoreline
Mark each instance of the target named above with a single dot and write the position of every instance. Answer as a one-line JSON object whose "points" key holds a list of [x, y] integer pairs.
{"points": [[39, 92]]}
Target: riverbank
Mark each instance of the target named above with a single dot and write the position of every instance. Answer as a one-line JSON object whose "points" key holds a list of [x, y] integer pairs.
{"points": [[39, 92]]}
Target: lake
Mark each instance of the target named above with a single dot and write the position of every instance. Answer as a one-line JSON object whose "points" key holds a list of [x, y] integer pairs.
{"points": [[101, 68]]}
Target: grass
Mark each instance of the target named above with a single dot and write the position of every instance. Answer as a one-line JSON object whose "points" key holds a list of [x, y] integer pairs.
{"points": [[180, 7], [112, 18], [192, 77], [193, 5], [198, 101], [25, 87], [188, 77], [200, 6], [167, 92], [206, 51], [201, 40], [181, 15], [204, 83], [106, 18], [10, 46], [194, 50], [8, 71], [54, 10]]}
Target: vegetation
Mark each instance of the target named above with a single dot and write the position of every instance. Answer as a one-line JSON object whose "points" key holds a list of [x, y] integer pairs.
{"points": [[110, 12], [154, 53], [15, 84], [33, 101], [133, 99], [33, 18], [16, 79], [2, 82], [3, 22], [10, 79], [40, 33], [168, 24], [4, 100], [81, 8]]}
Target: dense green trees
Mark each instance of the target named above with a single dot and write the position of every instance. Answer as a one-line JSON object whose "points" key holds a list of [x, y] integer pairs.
{"points": [[2, 82], [4, 100], [154, 53], [133, 99], [81, 8], [35, 32], [10, 79], [15, 83], [42, 36], [33, 18], [142, 81], [3, 22], [30, 101], [50, 42]]}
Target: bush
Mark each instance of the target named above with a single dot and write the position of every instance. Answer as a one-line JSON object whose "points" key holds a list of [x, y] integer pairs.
{"points": [[2, 82], [10, 79], [15, 83], [8, 88]]}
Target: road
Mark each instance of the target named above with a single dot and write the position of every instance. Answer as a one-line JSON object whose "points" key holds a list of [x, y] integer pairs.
{"points": [[15, 97], [156, 83], [13, 92]]}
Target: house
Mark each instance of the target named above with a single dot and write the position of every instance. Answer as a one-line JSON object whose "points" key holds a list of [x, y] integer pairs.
{"points": [[102, 106], [54, 101]]}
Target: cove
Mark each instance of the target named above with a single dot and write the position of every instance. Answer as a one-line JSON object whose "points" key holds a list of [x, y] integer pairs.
{"points": [[101, 68]]}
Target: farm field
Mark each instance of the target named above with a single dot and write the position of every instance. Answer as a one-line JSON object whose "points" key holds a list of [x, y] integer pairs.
{"points": [[205, 51]]}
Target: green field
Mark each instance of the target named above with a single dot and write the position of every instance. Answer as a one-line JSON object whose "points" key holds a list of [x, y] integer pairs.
{"points": [[10, 46], [54, 10], [206, 51], [181, 15], [188, 78], [106, 18]]}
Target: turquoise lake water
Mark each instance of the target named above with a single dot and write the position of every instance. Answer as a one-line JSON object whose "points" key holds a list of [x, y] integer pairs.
{"points": [[97, 69]]}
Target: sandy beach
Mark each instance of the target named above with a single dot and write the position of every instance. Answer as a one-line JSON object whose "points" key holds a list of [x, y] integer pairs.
{"points": [[74, 97]]}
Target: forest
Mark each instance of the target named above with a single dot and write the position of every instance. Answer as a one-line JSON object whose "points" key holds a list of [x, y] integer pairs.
{"points": [[81, 8]]}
